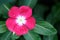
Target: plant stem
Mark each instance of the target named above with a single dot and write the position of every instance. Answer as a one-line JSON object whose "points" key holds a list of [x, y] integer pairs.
{"points": [[6, 7]]}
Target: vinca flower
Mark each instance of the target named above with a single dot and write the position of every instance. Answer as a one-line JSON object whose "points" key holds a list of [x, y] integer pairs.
{"points": [[20, 20]]}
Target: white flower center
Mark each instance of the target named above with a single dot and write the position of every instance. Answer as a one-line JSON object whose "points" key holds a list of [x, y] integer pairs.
{"points": [[20, 20]]}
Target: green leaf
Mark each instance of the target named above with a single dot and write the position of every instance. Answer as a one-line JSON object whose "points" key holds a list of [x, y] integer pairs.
{"points": [[6, 36], [14, 36], [2, 27], [4, 10], [32, 36], [54, 15], [30, 3], [44, 28]]}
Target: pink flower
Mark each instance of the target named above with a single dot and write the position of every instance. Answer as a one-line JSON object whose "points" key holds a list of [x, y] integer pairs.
{"points": [[20, 20]]}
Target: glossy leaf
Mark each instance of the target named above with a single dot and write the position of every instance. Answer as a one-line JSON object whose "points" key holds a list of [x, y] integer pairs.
{"points": [[14, 36], [32, 36], [2, 27], [44, 28], [6, 36]]}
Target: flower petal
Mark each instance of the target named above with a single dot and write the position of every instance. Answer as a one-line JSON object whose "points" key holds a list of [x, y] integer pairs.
{"points": [[10, 23], [25, 11], [30, 23], [13, 12], [20, 30]]}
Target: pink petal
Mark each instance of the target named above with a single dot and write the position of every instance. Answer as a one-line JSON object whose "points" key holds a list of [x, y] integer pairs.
{"points": [[20, 30], [10, 23], [25, 11], [13, 12], [30, 23]]}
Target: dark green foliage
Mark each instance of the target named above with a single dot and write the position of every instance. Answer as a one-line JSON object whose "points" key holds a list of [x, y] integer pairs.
{"points": [[46, 13]]}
